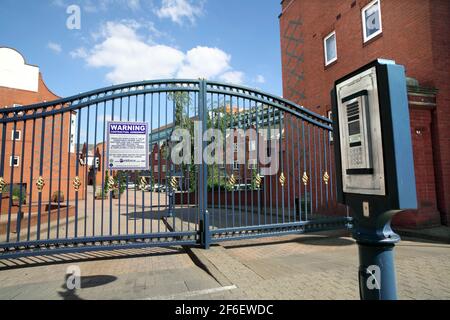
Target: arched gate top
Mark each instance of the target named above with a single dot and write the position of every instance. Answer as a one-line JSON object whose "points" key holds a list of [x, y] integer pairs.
{"points": [[81, 100]]}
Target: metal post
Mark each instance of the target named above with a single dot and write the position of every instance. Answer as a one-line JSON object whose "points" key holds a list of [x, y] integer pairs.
{"points": [[171, 202], [377, 280], [205, 237]]}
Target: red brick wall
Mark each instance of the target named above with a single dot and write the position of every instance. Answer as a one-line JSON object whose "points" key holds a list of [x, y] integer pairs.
{"points": [[415, 34], [24, 147]]}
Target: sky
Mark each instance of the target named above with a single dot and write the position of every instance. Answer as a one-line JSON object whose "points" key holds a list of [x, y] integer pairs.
{"points": [[121, 41]]}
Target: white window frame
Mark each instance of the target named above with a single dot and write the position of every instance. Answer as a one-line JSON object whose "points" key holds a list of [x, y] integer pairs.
{"points": [[13, 134], [363, 17], [252, 145], [236, 165], [252, 164], [11, 161], [327, 63]]}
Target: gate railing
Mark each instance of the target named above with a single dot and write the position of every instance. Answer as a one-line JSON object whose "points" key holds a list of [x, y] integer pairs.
{"points": [[57, 193]]}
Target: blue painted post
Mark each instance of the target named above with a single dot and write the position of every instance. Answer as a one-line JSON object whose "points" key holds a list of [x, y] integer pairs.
{"points": [[376, 242], [205, 237]]}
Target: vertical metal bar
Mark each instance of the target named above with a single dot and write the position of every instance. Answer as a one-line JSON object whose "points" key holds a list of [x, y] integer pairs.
{"points": [[239, 123], [94, 169], [270, 150], [257, 109], [281, 161], [2, 157], [120, 179], [135, 182], [263, 124], [61, 134], [212, 174], [225, 158], [293, 169], [316, 175], [304, 169], [11, 184], [299, 203], [86, 177], [325, 147], [128, 174], [31, 178], [51, 178], [233, 191], [19, 213], [77, 171], [280, 158], [206, 238], [144, 97], [41, 172], [68, 173], [111, 192], [246, 126], [152, 190], [321, 171], [310, 170], [159, 161], [59, 175], [286, 156], [102, 221]]}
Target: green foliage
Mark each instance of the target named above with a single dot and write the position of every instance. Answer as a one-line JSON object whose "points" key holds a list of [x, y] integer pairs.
{"points": [[106, 184], [17, 195], [121, 182], [254, 176]]}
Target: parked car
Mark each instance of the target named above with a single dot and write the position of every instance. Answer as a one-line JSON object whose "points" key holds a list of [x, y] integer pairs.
{"points": [[159, 188]]}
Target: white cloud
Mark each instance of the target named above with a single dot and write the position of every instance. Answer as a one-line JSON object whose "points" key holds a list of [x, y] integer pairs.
{"points": [[94, 6], [130, 57], [236, 77], [178, 10], [79, 53], [260, 79], [204, 62], [55, 47]]}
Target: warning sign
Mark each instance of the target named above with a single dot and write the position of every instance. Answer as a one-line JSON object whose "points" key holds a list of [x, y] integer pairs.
{"points": [[128, 146]]}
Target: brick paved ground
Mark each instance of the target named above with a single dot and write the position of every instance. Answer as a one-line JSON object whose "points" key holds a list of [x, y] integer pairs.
{"points": [[291, 267]]}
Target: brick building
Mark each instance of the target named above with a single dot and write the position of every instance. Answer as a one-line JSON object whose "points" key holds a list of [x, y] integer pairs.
{"points": [[323, 41], [25, 145]]}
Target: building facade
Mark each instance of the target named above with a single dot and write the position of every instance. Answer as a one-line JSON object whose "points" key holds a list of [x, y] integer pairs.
{"points": [[28, 144], [323, 41]]}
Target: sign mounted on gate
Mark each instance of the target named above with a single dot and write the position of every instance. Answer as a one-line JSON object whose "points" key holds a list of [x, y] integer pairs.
{"points": [[127, 146]]}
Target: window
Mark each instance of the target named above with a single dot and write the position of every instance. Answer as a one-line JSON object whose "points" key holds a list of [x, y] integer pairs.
{"points": [[329, 44], [14, 161], [235, 147], [253, 164], [252, 145], [16, 135], [371, 20], [236, 165], [163, 168], [155, 169]]}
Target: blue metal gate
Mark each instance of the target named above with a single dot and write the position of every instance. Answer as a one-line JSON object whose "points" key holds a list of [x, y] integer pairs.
{"points": [[58, 194]]}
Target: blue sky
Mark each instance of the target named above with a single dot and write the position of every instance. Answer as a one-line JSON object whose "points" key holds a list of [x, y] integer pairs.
{"points": [[130, 40]]}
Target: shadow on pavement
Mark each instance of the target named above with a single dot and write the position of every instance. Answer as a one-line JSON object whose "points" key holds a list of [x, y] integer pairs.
{"points": [[86, 283], [305, 240], [39, 261]]}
